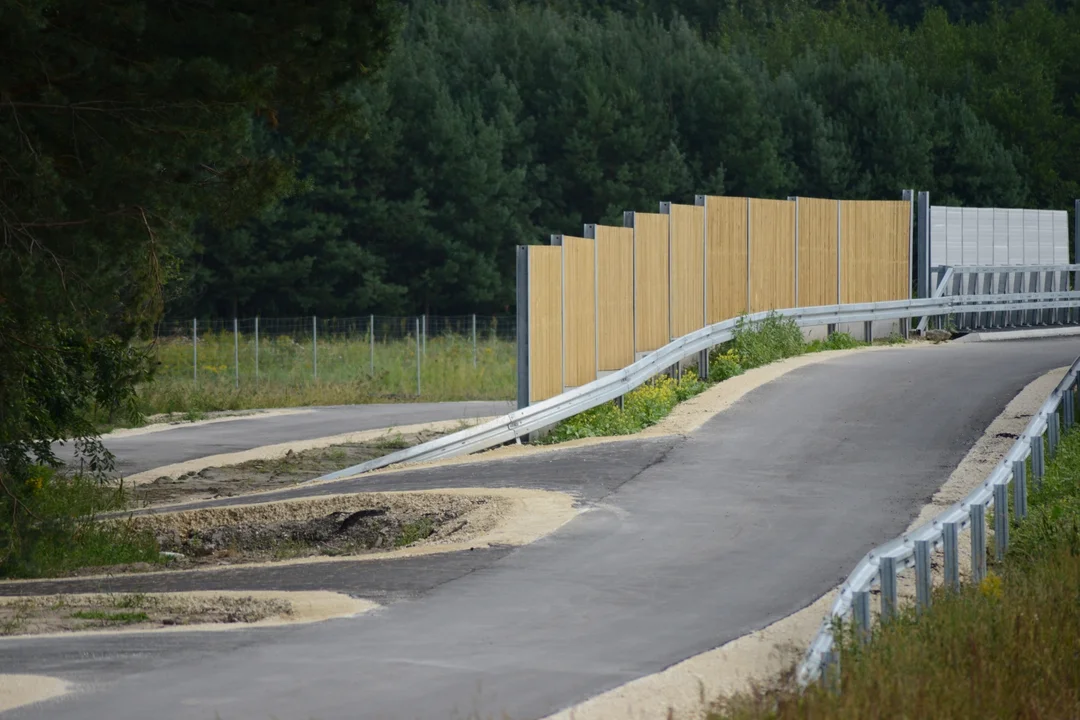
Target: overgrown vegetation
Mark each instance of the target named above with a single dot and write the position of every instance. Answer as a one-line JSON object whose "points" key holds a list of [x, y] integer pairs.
{"points": [[1007, 648], [754, 344], [61, 531]]}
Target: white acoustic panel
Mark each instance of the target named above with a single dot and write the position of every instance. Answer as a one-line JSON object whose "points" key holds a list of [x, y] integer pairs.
{"points": [[997, 236]]}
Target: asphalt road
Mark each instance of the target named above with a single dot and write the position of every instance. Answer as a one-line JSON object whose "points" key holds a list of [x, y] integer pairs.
{"points": [[136, 453], [686, 544]]}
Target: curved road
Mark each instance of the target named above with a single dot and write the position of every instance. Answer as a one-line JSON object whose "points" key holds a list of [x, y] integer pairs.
{"points": [[136, 453], [688, 543]]}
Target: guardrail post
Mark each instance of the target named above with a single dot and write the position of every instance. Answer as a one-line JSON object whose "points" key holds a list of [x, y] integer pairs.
{"points": [[1067, 409], [950, 536], [703, 364], [1001, 521], [905, 328], [1019, 473], [1053, 430], [860, 606], [887, 572], [922, 574], [830, 670], [978, 542], [830, 329], [1038, 461]]}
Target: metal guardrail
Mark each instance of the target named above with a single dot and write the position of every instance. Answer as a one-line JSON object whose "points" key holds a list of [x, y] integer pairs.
{"points": [[547, 413], [913, 549]]}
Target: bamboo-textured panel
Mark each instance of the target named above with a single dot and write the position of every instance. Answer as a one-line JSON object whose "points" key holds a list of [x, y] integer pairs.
{"points": [[772, 254], [874, 238], [687, 290], [615, 296], [545, 322], [579, 311], [725, 257], [650, 281], [817, 252]]}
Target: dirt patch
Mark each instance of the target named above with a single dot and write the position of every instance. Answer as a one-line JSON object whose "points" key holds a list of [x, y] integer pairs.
{"points": [[326, 526], [272, 473], [204, 610], [68, 613], [19, 690]]}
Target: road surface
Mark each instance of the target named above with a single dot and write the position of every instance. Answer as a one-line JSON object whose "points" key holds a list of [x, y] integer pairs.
{"points": [[687, 543]]}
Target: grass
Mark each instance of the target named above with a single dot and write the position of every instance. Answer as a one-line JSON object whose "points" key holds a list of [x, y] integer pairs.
{"points": [[415, 531], [286, 372], [753, 345], [65, 534], [1008, 648]]}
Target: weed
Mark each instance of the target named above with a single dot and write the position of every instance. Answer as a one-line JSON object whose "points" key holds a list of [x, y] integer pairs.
{"points": [[835, 341], [119, 618], [392, 442], [724, 365], [766, 341], [413, 531]]}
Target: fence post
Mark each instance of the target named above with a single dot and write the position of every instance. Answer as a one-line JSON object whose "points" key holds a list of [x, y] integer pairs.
{"points": [[474, 340], [1019, 473], [887, 571], [236, 351], [256, 348], [1001, 520], [314, 348], [978, 542], [424, 331], [922, 251], [418, 357], [950, 537], [922, 574], [371, 338], [195, 349], [522, 328]]}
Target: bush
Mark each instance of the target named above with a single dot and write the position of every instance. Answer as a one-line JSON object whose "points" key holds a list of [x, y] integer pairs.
{"points": [[63, 532], [835, 341], [724, 365], [766, 341]]}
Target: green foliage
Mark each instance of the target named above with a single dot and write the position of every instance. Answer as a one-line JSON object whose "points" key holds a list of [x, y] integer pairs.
{"points": [[645, 406], [413, 531], [62, 531], [115, 618], [1054, 507], [765, 341], [836, 341], [724, 365]]}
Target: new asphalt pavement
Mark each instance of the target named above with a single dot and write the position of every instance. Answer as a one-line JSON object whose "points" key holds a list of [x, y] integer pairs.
{"points": [[685, 543]]}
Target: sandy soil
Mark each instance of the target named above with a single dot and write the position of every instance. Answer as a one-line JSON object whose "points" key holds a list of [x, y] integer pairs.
{"points": [[273, 473], [685, 690], [79, 614], [19, 690], [168, 421], [269, 452]]}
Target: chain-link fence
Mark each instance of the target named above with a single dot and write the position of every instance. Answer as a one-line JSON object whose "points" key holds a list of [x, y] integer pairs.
{"points": [[462, 355]]}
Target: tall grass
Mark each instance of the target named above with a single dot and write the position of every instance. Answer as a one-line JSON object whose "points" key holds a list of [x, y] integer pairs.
{"points": [[1008, 648], [286, 373]]}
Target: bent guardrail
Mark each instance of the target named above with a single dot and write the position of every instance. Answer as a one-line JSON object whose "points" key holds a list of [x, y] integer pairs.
{"points": [[546, 413], [880, 566]]}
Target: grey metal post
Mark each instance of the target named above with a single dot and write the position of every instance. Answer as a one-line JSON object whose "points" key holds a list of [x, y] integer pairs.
{"points": [[474, 340], [887, 572], [1019, 473], [418, 357], [522, 326], [1053, 430], [868, 331], [950, 537], [314, 348], [703, 364], [1001, 520], [830, 670], [424, 334], [978, 542], [256, 348], [371, 341], [909, 197], [922, 574], [236, 351], [1038, 460], [860, 605], [1067, 408], [923, 252], [1076, 242], [195, 349]]}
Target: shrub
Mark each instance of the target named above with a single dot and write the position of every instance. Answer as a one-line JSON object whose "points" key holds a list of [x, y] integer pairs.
{"points": [[724, 365], [760, 343]]}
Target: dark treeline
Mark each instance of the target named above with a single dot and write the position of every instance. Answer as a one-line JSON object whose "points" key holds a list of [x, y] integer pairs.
{"points": [[495, 124]]}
